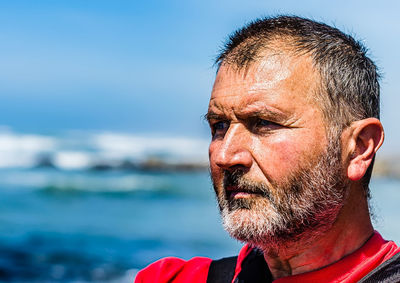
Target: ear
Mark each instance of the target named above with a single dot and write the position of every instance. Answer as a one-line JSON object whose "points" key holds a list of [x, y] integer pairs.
{"points": [[365, 138]]}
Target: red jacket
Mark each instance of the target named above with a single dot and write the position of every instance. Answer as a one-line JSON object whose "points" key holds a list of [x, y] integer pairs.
{"points": [[351, 268]]}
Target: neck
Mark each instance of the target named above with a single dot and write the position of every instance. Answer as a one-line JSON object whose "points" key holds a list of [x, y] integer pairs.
{"points": [[350, 231]]}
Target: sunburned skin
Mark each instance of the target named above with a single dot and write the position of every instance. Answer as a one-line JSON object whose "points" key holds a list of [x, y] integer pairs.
{"points": [[265, 69], [239, 95], [265, 121]]}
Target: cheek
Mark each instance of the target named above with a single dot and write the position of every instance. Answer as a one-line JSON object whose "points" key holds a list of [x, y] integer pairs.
{"points": [[280, 156]]}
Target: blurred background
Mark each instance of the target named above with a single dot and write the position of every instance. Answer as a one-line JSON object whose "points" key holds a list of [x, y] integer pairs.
{"points": [[103, 149]]}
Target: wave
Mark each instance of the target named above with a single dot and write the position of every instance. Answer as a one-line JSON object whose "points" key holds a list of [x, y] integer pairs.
{"points": [[20, 150], [78, 150], [59, 182], [122, 145]]}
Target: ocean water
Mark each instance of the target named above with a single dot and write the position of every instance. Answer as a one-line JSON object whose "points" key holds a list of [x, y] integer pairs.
{"points": [[70, 223], [74, 226]]}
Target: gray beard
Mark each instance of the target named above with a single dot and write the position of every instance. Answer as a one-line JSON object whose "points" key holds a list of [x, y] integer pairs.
{"points": [[304, 206]]}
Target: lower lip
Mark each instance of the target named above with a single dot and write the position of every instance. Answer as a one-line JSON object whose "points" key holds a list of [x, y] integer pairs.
{"points": [[240, 195]]}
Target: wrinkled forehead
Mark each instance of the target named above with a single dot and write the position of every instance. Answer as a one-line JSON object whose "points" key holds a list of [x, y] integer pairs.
{"points": [[269, 72]]}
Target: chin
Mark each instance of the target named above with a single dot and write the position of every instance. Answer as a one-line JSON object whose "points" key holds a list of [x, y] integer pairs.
{"points": [[248, 225], [263, 227]]}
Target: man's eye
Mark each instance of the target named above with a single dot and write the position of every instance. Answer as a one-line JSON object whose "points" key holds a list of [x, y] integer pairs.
{"points": [[261, 123], [219, 127]]}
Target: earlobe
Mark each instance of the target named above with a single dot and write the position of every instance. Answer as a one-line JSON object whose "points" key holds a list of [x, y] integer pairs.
{"points": [[366, 138]]}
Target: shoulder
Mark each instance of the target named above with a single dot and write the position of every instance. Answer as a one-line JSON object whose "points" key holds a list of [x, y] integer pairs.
{"points": [[177, 270]]}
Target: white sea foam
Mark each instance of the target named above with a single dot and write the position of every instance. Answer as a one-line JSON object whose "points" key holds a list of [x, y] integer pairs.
{"points": [[72, 160], [19, 150], [82, 150], [83, 182], [175, 148]]}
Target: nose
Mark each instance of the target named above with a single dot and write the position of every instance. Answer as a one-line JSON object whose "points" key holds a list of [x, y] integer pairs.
{"points": [[232, 152]]}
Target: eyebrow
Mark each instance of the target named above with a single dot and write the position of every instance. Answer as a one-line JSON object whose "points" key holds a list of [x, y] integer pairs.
{"points": [[267, 113], [212, 116]]}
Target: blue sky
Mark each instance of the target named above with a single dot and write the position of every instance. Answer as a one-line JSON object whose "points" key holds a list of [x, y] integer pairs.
{"points": [[146, 66]]}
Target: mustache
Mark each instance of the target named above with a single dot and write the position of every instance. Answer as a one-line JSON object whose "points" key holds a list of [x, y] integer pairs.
{"points": [[237, 179]]}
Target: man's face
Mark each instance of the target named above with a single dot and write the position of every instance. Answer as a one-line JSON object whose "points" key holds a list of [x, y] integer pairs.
{"points": [[275, 173]]}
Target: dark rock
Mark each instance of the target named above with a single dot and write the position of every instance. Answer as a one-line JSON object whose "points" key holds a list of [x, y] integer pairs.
{"points": [[44, 161]]}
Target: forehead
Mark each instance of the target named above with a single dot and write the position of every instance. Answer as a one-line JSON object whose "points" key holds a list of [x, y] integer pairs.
{"points": [[275, 78]]}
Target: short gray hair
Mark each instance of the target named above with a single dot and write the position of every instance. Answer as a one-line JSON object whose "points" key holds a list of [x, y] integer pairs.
{"points": [[349, 89]]}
